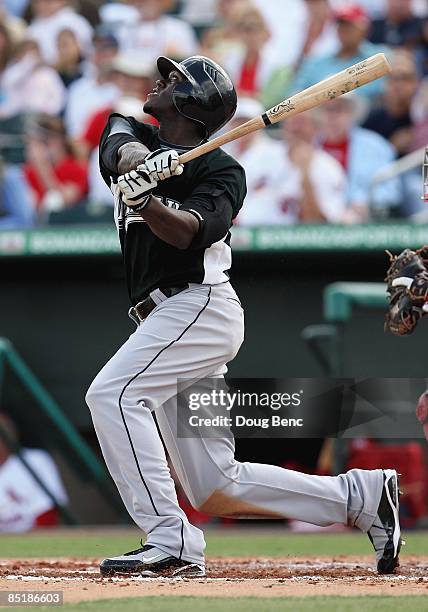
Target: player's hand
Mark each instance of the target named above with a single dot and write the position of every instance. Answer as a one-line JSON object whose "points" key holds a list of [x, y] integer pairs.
{"points": [[136, 188], [301, 154], [161, 165]]}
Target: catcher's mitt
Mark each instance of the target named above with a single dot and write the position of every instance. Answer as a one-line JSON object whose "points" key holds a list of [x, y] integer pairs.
{"points": [[407, 280]]}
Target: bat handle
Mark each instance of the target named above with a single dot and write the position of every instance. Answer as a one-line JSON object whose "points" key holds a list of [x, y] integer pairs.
{"points": [[246, 128]]}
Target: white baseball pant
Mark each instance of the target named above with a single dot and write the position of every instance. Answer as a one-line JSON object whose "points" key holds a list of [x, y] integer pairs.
{"points": [[192, 335]]}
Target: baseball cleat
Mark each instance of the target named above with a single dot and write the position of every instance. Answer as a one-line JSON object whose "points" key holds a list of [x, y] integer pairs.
{"points": [[385, 533], [151, 562]]}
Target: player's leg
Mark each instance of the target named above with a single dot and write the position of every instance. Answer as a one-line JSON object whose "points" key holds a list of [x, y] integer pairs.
{"points": [[179, 339], [218, 484]]}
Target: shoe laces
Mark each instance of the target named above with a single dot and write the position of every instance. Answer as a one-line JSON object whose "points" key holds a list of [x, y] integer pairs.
{"points": [[143, 548]]}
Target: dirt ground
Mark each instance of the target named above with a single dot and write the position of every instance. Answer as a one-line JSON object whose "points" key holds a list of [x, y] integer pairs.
{"points": [[79, 579]]}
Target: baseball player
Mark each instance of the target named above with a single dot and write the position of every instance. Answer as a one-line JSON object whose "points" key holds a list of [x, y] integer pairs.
{"points": [[173, 224]]}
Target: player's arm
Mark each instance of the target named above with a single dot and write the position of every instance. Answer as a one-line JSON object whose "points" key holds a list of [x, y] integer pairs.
{"points": [[120, 148], [206, 215], [204, 218], [176, 227], [130, 156]]}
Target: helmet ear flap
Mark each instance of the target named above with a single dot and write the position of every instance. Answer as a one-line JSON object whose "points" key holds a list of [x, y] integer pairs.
{"points": [[191, 100], [207, 96], [189, 105]]}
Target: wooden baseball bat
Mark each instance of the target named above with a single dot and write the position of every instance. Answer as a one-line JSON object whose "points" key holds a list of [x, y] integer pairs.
{"points": [[338, 84]]}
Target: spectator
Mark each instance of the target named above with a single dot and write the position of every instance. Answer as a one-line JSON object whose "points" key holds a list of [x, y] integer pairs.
{"points": [[15, 25], [419, 116], [135, 81], [6, 46], [399, 27], [24, 505], [352, 28], [226, 8], [312, 183], [15, 7], [30, 86], [69, 57], [116, 14], [320, 31], [306, 185], [199, 13], [252, 61], [220, 39], [252, 151], [413, 205], [422, 52], [57, 178], [374, 8], [362, 153], [16, 203], [286, 22], [50, 18], [156, 33], [392, 119], [97, 87]]}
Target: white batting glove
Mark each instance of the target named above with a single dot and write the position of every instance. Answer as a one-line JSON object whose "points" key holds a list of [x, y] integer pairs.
{"points": [[136, 188], [161, 165]]}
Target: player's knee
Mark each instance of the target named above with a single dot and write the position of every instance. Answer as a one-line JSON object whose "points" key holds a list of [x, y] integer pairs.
{"points": [[218, 504], [200, 497], [213, 497], [207, 507]]}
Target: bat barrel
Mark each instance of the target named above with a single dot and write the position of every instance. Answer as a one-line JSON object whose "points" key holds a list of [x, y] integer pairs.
{"points": [[359, 74], [343, 82]]}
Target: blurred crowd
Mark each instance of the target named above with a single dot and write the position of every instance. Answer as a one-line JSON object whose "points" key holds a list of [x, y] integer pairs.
{"points": [[64, 66]]}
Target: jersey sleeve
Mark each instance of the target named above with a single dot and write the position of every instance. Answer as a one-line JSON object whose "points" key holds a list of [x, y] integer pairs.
{"points": [[215, 202], [118, 131]]}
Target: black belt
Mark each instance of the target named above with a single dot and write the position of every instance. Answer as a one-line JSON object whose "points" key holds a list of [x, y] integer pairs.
{"points": [[141, 311]]}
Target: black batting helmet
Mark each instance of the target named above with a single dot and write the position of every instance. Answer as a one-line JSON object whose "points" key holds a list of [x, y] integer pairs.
{"points": [[207, 96]]}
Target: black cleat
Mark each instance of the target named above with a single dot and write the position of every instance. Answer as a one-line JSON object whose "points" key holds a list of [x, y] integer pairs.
{"points": [[385, 533], [151, 562]]}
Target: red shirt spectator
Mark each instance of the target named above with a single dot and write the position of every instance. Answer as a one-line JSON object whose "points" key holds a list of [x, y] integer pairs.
{"points": [[96, 124], [68, 171], [338, 149], [57, 177], [94, 128]]}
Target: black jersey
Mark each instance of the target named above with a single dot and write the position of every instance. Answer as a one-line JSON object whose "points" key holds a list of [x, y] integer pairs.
{"points": [[212, 187]]}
